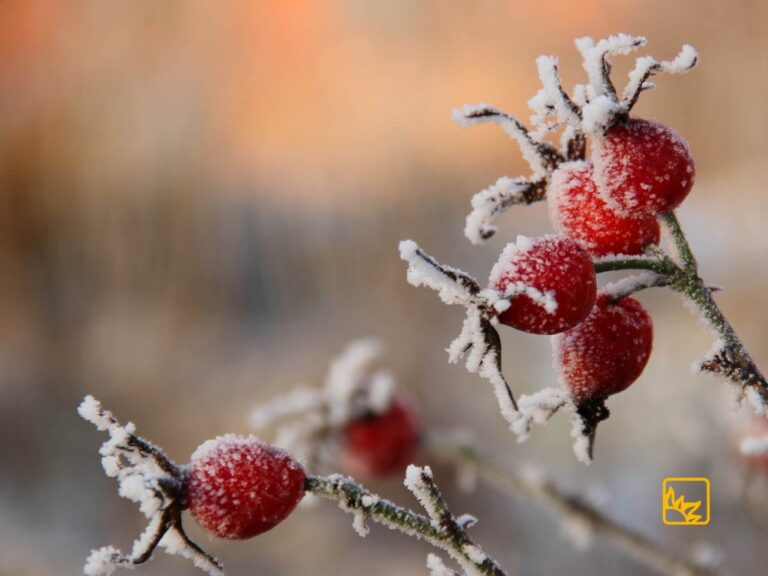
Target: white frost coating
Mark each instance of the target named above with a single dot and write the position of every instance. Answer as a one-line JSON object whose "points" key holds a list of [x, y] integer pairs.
{"points": [[756, 401], [489, 203], [305, 415], [437, 567], [140, 477], [582, 444], [416, 484], [754, 446], [594, 55], [173, 543], [550, 79], [296, 402], [598, 114], [102, 562], [344, 376], [421, 273], [630, 284], [380, 392], [538, 408], [466, 521], [646, 65], [513, 128]]}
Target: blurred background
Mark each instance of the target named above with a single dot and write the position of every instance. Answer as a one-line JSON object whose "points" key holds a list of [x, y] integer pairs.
{"points": [[200, 205]]}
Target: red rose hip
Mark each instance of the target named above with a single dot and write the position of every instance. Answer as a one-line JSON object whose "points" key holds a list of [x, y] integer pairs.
{"points": [[239, 487], [607, 352], [550, 281], [642, 166], [381, 444], [579, 212]]}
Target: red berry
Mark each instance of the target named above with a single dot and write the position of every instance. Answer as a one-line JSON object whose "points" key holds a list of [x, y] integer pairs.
{"points": [[643, 166], [381, 444], [607, 352], [578, 212], [551, 281], [239, 487]]}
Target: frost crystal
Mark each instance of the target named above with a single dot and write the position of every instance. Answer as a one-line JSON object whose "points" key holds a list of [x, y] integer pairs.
{"points": [[478, 343], [145, 475]]}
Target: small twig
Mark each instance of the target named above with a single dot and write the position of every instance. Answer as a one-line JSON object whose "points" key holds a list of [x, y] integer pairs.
{"points": [[729, 358], [563, 506], [440, 528]]}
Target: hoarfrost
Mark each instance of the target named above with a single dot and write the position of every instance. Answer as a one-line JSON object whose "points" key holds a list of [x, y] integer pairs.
{"points": [[146, 476]]}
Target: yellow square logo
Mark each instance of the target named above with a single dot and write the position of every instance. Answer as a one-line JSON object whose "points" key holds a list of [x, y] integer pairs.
{"points": [[685, 501]]}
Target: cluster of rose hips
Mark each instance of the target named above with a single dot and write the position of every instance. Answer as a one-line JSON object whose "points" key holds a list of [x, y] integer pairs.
{"points": [[605, 190], [603, 206]]}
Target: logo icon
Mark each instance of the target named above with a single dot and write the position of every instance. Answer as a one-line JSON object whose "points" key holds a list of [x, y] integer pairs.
{"points": [[685, 501]]}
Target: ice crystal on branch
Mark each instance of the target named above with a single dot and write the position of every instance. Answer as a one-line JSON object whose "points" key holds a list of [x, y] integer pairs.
{"points": [[145, 475]]}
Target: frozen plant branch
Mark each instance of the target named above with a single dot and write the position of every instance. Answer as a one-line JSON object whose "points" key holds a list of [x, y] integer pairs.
{"points": [[580, 519], [496, 200], [438, 527], [478, 343], [145, 475], [729, 358]]}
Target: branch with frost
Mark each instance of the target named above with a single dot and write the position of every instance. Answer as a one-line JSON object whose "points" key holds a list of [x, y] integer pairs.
{"points": [[729, 357], [145, 475], [581, 520], [541, 156], [478, 343], [439, 526], [497, 199], [306, 418]]}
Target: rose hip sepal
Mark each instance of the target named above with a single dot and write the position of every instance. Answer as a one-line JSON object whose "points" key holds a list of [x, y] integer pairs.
{"points": [[376, 445], [238, 487], [550, 282], [642, 167], [579, 212], [235, 487]]}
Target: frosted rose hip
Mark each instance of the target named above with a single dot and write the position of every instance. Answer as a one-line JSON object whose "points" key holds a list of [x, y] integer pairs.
{"points": [[239, 487], [579, 212], [551, 281], [381, 444], [607, 352], [643, 166]]}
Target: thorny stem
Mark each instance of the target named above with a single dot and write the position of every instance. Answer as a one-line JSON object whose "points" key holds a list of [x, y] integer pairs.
{"points": [[564, 506], [447, 534], [731, 359]]}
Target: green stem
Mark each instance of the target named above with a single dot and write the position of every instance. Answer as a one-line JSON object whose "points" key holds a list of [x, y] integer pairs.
{"points": [[447, 535], [730, 359]]}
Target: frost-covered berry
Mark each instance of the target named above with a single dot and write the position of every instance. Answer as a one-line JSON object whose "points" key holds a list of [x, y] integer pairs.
{"points": [[239, 487], [607, 352], [642, 166], [550, 281], [579, 212], [381, 444]]}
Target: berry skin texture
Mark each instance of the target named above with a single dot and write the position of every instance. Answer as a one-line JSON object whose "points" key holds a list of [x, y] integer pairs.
{"points": [[607, 352], [642, 166], [551, 281], [579, 212], [378, 445], [239, 487]]}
